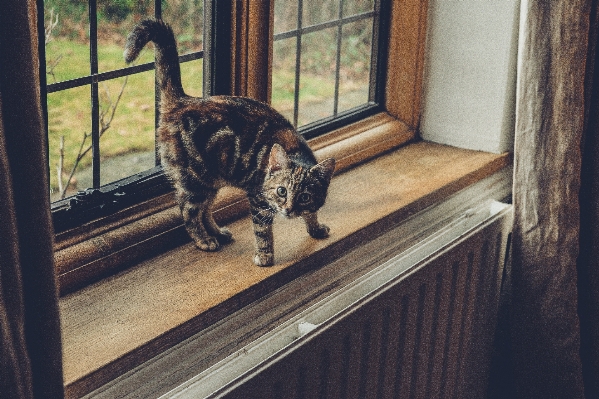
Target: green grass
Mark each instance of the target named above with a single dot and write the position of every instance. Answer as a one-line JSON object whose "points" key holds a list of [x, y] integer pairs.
{"points": [[132, 129], [69, 111], [313, 89]]}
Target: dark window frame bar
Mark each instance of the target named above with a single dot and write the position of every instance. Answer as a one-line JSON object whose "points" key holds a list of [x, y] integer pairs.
{"points": [[157, 15], [114, 74], [338, 60], [298, 58], [94, 94], [301, 30]]}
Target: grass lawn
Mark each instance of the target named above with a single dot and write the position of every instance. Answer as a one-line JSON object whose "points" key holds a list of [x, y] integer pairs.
{"points": [[69, 111], [132, 129]]}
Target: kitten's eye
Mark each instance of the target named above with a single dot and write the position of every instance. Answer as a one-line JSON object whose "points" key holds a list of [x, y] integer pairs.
{"points": [[281, 191], [304, 197]]}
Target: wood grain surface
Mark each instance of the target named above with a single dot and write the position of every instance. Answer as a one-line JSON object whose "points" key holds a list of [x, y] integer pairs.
{"points": [[114, 325]]}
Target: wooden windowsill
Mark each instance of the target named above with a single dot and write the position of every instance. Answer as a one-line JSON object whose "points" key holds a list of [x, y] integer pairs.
{"points": [[114, 325], [101, 248]]}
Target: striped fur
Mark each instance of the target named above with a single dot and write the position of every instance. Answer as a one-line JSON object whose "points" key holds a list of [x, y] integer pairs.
{"points": [[206, 144]]}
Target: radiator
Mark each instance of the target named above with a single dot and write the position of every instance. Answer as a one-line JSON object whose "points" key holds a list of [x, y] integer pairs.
{"points": [[419, 326]]}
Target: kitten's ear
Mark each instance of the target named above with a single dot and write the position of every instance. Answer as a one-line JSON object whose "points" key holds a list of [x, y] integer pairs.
{"points": [[324, 170], [277, 159]]}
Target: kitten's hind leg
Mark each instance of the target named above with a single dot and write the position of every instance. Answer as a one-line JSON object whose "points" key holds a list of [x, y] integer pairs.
{"points": [[315, 229], [194, 210], [222, 234]]}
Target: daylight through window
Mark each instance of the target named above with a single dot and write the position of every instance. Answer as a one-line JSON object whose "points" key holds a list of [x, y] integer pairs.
{"points": [[101, 112], [324, 60]]}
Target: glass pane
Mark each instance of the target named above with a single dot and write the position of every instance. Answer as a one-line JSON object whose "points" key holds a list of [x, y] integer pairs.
{"points": [[283, 76], [285, 16], [126, 127], [354, 70], [353, 7], [317, 81], [67, 40], [69, 121], [115, 21], [186, 19], [192, 77], [319, 11]]}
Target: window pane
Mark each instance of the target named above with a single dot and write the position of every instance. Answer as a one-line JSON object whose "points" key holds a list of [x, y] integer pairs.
{"points": [[285, 16], [192, 77], [317, 80], [319, 11], [126, 127], [69, 118], [115, 20], [125, 111], [186, 19], [353, 7], [354, 70], [66, 39], [333, 74], [283, 76]]}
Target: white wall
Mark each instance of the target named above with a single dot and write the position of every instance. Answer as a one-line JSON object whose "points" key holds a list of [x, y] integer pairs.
{"points": [[470, 74]]}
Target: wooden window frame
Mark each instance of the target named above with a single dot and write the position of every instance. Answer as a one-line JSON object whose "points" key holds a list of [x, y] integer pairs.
{"points": [[110, 244]]}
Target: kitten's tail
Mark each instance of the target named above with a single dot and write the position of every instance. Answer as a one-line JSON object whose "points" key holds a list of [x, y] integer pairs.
{"points": [[168, 71]]}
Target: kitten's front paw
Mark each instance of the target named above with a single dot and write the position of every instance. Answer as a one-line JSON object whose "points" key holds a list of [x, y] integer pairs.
{"points": [[322, 231], [224, 235], [264, 259], [209, 244]]}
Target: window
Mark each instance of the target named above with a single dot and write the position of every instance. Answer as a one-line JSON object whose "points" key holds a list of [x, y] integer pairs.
{"points": [[325, 61], [102, 113]]}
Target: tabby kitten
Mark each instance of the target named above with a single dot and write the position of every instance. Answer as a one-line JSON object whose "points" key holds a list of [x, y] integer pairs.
{"points": [[206, 144]]}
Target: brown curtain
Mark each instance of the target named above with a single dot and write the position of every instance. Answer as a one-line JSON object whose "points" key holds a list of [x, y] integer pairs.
{"points": [[588, 260], [30, 346], [553, 315]]}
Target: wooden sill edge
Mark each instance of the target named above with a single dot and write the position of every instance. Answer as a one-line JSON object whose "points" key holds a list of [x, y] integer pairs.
{"points": [[104, 247], [83, 383]]}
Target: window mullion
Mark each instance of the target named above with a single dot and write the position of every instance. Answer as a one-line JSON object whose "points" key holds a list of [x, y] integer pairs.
{"points": [[157, 15], [41, 37], [95, 101], [298, 57], [379, 44], [338, 60]]}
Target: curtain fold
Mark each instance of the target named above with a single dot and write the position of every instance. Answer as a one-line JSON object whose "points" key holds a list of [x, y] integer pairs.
{"points": [[30, 344], [553, 310], [588, 260]]}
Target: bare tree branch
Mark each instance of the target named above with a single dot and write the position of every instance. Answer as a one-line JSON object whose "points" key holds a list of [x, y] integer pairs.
{"points": [[48, 37], [60, 164], [105, 123], [51, 65], [49, 28]]}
